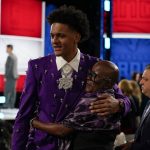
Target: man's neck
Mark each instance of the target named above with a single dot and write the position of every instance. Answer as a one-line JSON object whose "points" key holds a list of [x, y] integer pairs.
{"points": [[68, 59]]}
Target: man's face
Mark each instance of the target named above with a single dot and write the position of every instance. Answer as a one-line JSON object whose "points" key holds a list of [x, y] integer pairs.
{"points": [[8, 50], [145, 82], [64, 40]]}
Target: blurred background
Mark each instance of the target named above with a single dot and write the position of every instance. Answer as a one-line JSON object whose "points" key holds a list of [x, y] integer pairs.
{"points": [[119, 31]]}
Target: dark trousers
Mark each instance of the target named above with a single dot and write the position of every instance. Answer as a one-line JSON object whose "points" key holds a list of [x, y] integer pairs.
{"points": [[10, 93], [93, 141]]}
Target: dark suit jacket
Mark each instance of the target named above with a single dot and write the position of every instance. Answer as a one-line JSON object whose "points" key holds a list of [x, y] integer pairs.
{"points": [[142, 137], [11, 67]]}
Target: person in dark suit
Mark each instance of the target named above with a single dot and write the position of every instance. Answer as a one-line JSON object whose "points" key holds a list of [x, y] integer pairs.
{"points": [[142, 136], [11, 74], [54, 83]]}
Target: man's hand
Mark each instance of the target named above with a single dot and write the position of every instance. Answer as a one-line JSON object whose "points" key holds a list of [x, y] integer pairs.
{"points": [[105, 105]]}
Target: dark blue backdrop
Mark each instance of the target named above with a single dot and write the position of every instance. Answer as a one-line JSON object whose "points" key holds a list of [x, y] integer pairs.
{"points": [[131, 55]]}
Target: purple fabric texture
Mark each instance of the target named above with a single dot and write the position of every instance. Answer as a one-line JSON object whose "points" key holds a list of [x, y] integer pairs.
{"points": [[82, 119], [42, 98]]}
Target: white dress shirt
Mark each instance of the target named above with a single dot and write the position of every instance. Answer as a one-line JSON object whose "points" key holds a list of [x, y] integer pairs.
{"points": [[66, 81], [68, 67]]}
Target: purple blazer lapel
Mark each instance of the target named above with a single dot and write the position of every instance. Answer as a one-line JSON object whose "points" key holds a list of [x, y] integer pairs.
{"points": [[51, 73]]}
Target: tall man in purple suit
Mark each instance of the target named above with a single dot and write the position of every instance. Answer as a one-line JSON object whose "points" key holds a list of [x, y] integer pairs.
{"points": [[55, 83]]}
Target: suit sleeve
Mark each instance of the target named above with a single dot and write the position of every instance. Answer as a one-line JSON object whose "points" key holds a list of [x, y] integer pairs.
{"points": [[119, 95], [26, 111]]}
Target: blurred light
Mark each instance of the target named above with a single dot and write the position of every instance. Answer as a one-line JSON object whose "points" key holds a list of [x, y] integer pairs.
{"points": [[107, 5], [2, 99], [107, 43], [1, 115]]}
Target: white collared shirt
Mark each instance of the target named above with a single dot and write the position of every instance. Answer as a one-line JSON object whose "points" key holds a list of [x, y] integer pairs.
{"points": [[73, 64]]}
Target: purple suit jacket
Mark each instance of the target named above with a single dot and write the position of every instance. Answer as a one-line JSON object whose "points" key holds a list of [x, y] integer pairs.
{"points": [[42, 98]]}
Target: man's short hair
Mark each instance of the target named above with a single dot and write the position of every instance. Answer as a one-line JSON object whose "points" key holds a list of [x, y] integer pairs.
{"points": [[10, 46]]}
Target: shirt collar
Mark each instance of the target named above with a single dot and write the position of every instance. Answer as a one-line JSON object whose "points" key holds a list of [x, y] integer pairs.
{"points": [[74, 63]]}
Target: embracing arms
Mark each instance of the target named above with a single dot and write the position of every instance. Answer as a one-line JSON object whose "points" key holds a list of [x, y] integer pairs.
{"points": [[56, 129]]}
